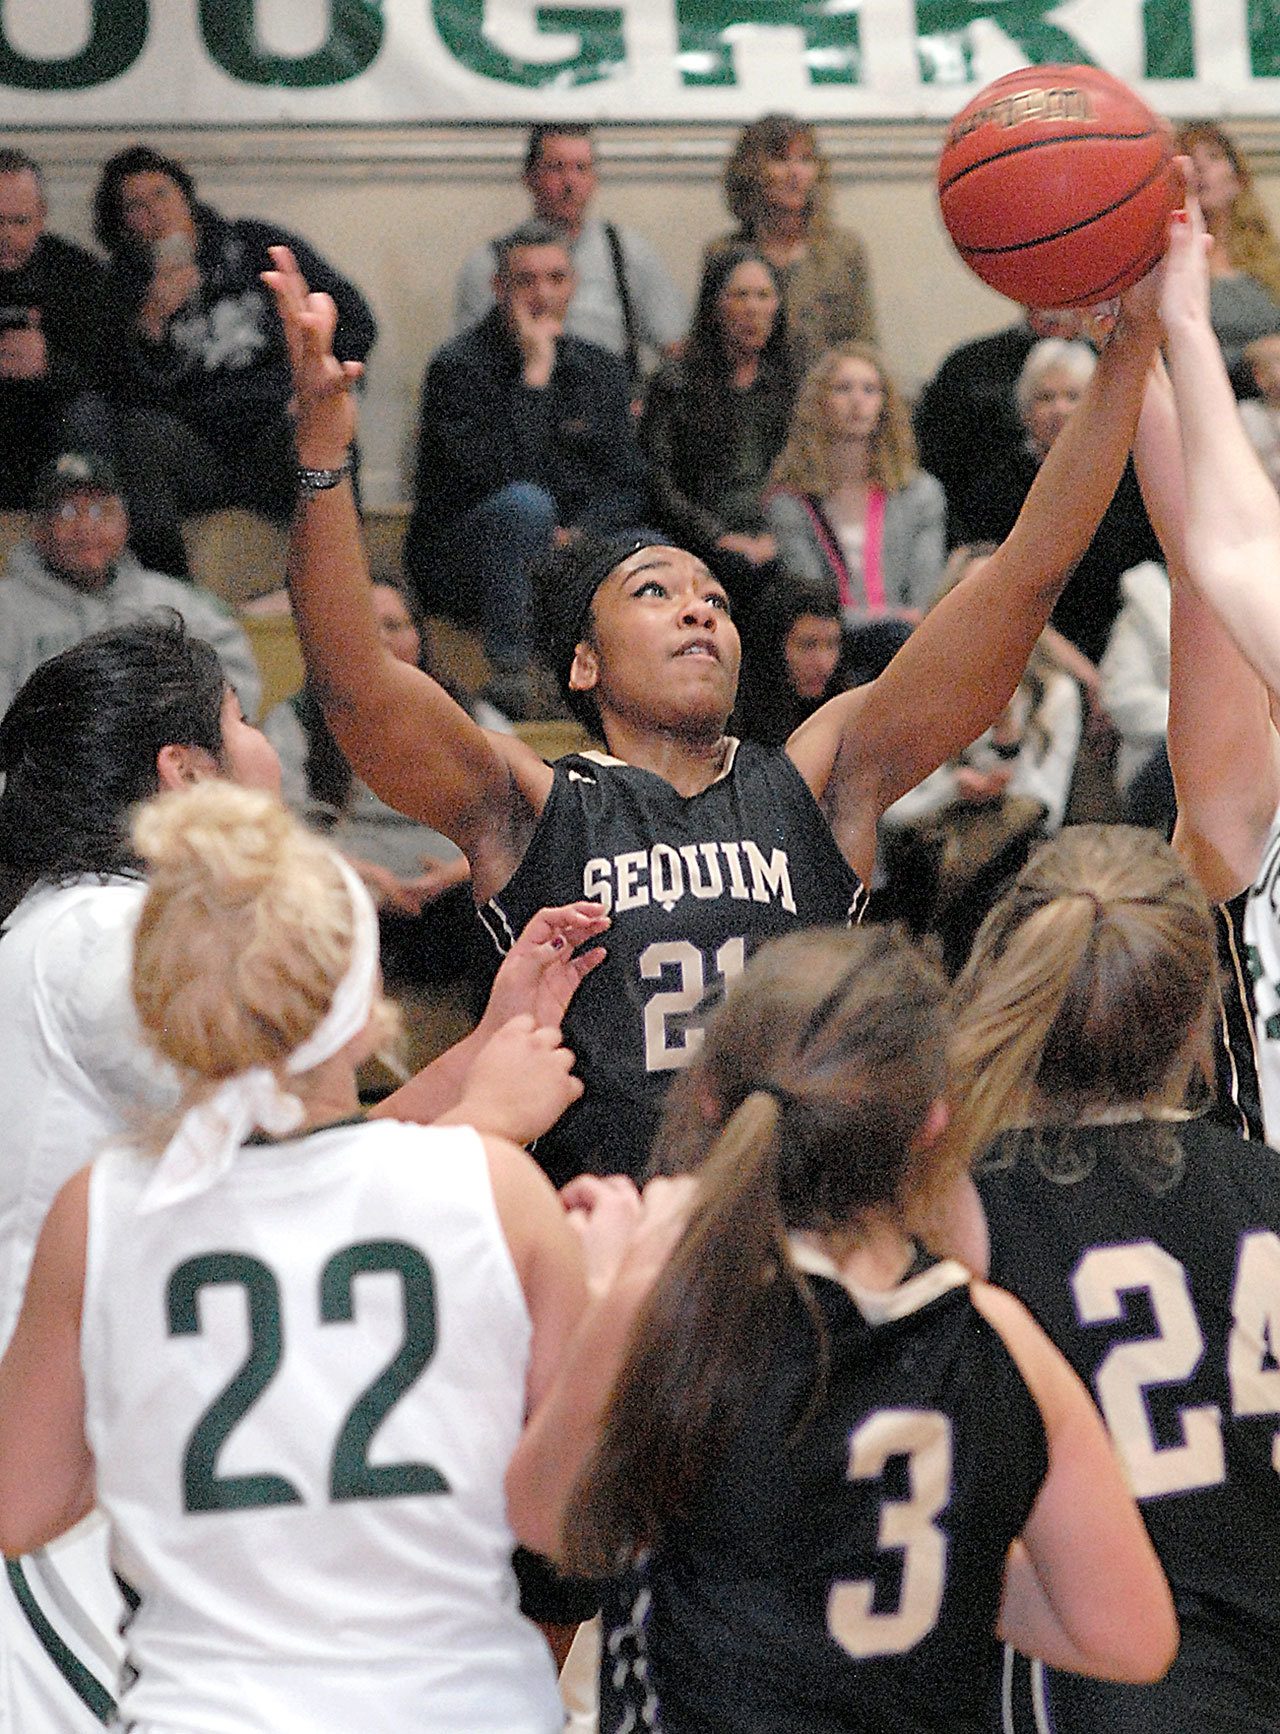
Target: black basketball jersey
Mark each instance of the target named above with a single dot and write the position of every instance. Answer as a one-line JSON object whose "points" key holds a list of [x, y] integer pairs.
{"points": [[1150, 1253], [693, 885], [842, 1572]]}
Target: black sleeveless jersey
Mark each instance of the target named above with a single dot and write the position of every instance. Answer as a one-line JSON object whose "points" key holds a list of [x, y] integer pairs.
{"points": [[693, 886], [841, 1573], [1150, 1253]]}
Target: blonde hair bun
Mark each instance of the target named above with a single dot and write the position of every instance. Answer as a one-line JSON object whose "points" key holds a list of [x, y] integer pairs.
{"points": [[245, 932]]}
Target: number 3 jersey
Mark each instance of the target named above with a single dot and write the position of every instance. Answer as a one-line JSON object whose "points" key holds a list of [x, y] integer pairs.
{"points": [[840, 1571], [302, 1390], [1150, 1253], [693, 886]]}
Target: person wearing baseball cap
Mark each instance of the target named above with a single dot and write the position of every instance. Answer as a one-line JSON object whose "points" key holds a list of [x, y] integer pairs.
{"points": [[75, 574]]}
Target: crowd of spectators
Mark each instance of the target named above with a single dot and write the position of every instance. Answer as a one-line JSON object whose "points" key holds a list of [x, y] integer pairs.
{"points": [[763, 430], [603, 480]]}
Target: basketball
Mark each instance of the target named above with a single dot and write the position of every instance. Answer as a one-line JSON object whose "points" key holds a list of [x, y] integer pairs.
{"points": [[1056, 184]]}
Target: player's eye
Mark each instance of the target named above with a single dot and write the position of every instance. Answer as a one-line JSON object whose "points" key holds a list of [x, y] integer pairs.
{"points": [[650, 587], [718, 599]]}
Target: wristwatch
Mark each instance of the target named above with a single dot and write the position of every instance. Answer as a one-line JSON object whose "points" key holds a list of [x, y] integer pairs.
{"points": [[312, 482]]}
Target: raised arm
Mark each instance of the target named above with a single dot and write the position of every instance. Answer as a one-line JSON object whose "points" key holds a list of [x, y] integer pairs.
{"points": [[959, 668], [1223, 751], [1232, 511], [402, 732]]}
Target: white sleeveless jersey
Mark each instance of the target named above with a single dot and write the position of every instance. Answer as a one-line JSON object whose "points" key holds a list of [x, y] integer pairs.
{"points": [[72, 1066], [73, 1063], [303, 1388]]}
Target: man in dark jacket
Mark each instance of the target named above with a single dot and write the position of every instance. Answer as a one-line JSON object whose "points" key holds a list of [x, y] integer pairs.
{"points": [[196, 351], [524, 438], [50, 296], [967, 417]]}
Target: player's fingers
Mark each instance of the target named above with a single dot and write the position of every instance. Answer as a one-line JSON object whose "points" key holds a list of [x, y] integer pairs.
{"points": [[586, 961], [582, 1192]]}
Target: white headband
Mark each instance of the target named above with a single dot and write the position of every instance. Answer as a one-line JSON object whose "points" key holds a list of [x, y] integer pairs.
{"points": [[205, 1143]]}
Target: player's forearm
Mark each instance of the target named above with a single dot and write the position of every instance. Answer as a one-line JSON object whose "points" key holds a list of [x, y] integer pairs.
{"points": [[329, 588], [1232, 513], [960, 667], [1222, 750], [434, 1091], [1220, 740], [1229, 498], [562, 1434]]}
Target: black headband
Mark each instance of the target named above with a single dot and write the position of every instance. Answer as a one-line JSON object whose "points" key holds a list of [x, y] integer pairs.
{"points": [[568, 581]]}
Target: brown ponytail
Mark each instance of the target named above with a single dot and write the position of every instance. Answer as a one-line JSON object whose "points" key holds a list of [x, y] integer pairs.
{"points": [[823, 1134]]}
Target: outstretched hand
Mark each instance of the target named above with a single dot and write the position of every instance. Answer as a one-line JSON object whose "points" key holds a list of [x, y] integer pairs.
{"points": [[1184, 297], [542, 971], [1144, 304], [323, 407]]}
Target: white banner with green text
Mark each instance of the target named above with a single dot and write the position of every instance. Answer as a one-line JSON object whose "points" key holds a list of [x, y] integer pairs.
{"points": [[391, 62]]}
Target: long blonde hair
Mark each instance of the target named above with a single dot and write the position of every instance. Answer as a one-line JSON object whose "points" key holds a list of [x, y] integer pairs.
{"points": [[245, 932], [1249, 242], [802, 1111], [803, 465], [1090, 988]]}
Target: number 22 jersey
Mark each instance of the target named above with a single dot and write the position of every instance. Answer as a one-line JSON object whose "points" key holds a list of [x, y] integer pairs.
{"points": [[303, 1387], [693, 886]]}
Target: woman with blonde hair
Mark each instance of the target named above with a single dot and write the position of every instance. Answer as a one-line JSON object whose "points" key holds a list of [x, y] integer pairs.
{"points": [[776, 185], [291, 1350], [1145, 1240], [848, 503], [797, 1456], [1244, 261]]}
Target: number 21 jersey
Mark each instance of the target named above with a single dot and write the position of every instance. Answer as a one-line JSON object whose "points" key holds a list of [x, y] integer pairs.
{"points": [[693, 886]]}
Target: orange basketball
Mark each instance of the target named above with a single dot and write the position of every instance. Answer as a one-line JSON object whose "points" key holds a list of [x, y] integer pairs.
{"points": [[1056, 184]]}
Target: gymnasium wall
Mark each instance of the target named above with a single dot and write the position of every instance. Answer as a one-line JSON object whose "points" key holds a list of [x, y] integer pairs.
{"points": [[397, 208]]}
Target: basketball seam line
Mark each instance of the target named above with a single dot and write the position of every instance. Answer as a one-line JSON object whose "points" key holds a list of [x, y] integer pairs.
{"points": [[1035, 144], [1100, 293], [1072, 228]]}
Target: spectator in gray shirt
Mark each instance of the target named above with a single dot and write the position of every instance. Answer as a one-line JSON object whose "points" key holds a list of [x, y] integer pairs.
{"points": [[75, 575], [624, 298]]}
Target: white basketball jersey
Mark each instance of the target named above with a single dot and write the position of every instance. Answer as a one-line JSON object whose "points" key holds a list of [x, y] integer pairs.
{"points": [[302, 1391], [1262, 962]]}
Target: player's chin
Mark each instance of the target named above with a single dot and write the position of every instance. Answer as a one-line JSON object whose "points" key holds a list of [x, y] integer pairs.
{"points": [[707, 694]]}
